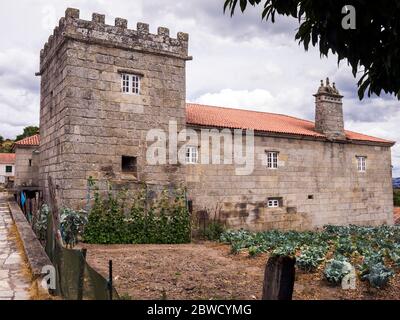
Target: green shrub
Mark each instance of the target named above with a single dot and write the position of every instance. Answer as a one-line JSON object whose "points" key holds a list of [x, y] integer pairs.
{"points": [[106, 222], [396, 197], [165, 221], [214, 231]]}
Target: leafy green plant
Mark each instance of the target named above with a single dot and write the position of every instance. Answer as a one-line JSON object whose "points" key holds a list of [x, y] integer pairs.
{"points": [[284, 250], [106, 222], [164, 221], [378, 275], [375, 245], [336, 269], [255, 251], [310, 258], [396, 197], [214, 231], [72, 224], [40, 224]]}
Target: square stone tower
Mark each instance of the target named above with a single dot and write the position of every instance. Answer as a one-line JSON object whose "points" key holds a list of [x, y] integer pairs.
{"points": [[329, 112], [102, 88]]}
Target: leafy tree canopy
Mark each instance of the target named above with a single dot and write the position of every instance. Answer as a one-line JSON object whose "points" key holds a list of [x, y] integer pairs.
{"points": [[28, 132], [372, 48], [6, 146], [1, 139]]}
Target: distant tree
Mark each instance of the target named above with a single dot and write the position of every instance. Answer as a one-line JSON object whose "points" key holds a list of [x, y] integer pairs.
{"points": [[1, 140], [28, 132], [371, 48], [6, 146]]}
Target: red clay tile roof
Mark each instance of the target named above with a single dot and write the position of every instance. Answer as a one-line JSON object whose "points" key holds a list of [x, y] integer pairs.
{"points": [[203, 115], [29, 141], [7, 158]]}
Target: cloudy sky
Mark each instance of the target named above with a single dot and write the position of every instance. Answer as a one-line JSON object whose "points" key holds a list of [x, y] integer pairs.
{"points": [[238, 62]]}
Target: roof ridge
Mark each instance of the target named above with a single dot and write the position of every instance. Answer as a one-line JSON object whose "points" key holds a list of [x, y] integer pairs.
{"points": [[255, 111], [296, 126]]}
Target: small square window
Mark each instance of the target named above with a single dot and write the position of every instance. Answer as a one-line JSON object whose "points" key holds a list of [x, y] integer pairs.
{"points": [[9, 169], [361, 164], [129, 165], [130, 83], [274, 202], [272, 160], [192, 155]]}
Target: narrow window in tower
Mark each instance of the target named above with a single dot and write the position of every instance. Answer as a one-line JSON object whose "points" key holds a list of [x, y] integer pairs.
{"points": [[130, 83]]}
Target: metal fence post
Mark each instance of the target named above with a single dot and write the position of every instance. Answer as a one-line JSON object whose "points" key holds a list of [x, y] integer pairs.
{"points": [[110, 279], [81, 277]]}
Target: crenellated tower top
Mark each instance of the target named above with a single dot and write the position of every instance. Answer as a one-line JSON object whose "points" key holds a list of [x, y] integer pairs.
{"points": [[118, 35]]}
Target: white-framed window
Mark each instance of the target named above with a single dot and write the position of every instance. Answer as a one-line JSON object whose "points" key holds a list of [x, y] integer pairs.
{"points": [[192, 154], [272, 160], [273, 203], [361, 163], [130, 83]]}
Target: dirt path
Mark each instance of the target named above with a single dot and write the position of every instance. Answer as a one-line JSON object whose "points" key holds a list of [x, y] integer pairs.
{"points": [[13, 283]]}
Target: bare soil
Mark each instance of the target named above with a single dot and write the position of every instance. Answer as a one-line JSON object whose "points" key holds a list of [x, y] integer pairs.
{"points": [[207, 270]]}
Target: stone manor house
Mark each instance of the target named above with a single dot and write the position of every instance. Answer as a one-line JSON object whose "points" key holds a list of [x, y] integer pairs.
{"points": [[103, 87]]}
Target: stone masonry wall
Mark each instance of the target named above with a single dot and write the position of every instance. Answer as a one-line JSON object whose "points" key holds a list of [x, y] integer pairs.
{"points": [[26, 175], [324, 171], [87, 123]]}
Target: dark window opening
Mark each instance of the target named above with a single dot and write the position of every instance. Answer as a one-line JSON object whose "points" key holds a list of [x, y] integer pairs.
{"points": [[190, 206], [310, 197], [30, 162], [129, 164], [8, 169]]}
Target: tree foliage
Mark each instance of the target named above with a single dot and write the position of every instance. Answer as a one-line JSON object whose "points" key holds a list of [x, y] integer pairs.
{"points": [[6, 146], [28, 132], [372, 49]]}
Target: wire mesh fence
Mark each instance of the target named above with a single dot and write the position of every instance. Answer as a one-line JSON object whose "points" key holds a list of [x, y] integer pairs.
{"points": [[75, 278]]}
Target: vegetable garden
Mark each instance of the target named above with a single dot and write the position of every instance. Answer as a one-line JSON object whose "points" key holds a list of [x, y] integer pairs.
{"points": [[373, 251]]}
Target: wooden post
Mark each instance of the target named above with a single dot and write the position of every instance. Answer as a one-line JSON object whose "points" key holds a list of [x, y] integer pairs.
{"points": [[279, 278], [54, 210], [81, 278]]}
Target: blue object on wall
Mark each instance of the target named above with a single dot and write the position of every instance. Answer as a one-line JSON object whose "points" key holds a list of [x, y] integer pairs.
{"points": [[23, 199]]}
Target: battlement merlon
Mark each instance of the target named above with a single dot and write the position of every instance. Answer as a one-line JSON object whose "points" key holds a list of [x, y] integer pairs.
{"points": [[118, 36]]}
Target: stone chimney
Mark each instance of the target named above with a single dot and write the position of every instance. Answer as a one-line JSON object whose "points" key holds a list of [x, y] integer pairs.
{"points": [[329, 112]]}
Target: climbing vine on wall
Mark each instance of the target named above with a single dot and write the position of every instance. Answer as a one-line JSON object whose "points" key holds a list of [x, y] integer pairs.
{"points": [[164, 220]]}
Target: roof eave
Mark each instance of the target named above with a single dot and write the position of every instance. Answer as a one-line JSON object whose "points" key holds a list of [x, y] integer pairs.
{"points": [[301, 136]]}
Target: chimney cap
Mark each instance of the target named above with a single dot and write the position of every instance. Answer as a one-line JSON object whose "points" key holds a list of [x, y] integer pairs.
{"points": [[327, 88]]}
